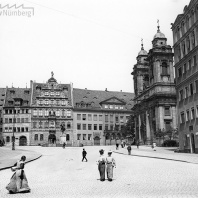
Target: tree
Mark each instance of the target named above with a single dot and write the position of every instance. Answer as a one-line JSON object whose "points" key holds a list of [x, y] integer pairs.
{"points": [[172, 133], [128, 130]]}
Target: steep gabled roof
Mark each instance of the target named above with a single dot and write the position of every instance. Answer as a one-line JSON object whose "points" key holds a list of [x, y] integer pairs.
{"points": [[95, 97]]}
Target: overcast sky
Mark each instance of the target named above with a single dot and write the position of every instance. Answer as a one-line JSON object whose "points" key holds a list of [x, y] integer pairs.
{"points": [[91, 43]]}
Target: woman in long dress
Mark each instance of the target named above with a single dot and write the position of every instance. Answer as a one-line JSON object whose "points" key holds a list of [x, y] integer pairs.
{"points": [[101, 165], [18, 182], [110, 161]]}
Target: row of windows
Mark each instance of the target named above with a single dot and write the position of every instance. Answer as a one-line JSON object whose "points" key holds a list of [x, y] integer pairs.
{"points": [[190, 115], [189, 90], [16, 120], [185, 46], [186, 23], [47, 124], [46, 112], [36, 137], [16, 129], [89, 126], [14, 111], [187, 66], [52, 102], [108, 106], [84, 137], [89, 117]]}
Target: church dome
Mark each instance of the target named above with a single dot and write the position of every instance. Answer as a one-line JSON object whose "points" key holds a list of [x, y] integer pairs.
{"points": [[159, 35], [142, 52]]}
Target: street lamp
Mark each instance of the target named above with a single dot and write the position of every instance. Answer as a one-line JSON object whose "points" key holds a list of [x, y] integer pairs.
{"points": [[13, 136]]}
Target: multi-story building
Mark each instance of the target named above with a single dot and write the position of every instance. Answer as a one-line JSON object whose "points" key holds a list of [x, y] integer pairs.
{"points": [[100, 115], [17, 116], [155, 95], [2, 100], [52, 109], [185, 38]]}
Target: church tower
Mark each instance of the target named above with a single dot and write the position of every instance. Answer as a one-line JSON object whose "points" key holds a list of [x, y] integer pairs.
{"points": [[140, 72], [155, 95]]}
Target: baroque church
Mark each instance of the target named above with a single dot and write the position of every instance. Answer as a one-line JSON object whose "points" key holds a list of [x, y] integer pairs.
{"points": [[154, 86]]}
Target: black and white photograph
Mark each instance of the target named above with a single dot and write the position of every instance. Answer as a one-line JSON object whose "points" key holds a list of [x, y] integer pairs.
{"points": [[99, 98]]}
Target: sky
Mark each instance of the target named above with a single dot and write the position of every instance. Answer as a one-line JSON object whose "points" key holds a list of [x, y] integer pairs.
{"points": [[90, 43]]}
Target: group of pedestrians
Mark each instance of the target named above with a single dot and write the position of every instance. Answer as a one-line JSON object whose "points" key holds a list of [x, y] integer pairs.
{"points": [[106, 164]]}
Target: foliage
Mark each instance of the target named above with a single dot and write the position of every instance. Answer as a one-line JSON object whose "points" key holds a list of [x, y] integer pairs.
{"points": [[170, 143], [128, 131]]}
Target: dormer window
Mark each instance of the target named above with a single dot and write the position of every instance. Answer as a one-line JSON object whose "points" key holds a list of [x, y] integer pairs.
{"points": [[12, 91], [26, 92], [106, 106]]}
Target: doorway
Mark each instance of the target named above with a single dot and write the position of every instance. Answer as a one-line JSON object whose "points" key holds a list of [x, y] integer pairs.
{"points": [[22, 141]]}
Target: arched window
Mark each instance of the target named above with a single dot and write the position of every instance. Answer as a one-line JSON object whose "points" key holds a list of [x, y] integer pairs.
{"points": [[182, 28], [192, 17], [7, 139], [178, 33], [36, 137], [164, 69], [187, 22]]}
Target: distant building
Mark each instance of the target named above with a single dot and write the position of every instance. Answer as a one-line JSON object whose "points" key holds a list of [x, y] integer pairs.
{"points": [[185, 38], [100, 115], [17, 116], [155, 95], [2, 100], [52, 108]]}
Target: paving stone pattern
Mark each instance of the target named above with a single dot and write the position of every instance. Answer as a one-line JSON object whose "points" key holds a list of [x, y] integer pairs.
{"points": [[60, 173]]}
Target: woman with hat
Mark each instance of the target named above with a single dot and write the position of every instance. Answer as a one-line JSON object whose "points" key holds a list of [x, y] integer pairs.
{"points": [[110, 161], [101, 165]]}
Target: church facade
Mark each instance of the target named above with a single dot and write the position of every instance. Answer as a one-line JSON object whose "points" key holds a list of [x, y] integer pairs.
{"points": [[155, 96]]}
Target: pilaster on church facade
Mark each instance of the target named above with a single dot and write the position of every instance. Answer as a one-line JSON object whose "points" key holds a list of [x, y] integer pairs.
{"points": [[155, 106]]}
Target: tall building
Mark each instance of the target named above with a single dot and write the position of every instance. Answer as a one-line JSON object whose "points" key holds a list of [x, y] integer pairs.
{"points": [[17, 116], [155, 95], [100, 115], [52, 109], [185, 38], [2, 101]]}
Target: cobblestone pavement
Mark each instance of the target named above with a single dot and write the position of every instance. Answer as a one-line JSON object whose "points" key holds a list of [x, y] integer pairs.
{"points": [[60, 173]]}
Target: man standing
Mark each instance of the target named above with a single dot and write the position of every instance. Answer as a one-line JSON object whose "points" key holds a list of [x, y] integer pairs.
{"points": [[129, 149], [84, 153]]}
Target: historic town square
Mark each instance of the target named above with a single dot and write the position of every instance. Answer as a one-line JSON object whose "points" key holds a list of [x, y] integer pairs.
{"points": [[99, 98]]}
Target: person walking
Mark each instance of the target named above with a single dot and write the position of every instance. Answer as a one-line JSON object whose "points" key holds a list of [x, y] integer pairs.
{"points": [[129, 149], [64, 144], [84, 153], [101, 165], [117, 146], [110, 164], [18, 182], [138, 144]]}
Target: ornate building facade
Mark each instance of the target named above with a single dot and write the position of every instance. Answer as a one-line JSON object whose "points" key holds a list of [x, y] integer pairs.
{"points": [[185, 38], [155, 96], [52, 108]]}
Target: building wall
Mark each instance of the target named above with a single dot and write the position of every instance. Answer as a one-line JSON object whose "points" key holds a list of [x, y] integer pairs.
{"points": [[185, 36]]}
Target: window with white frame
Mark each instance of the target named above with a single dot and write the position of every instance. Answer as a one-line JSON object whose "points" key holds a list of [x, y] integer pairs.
{"points": [[121, 107], [89, 136], [47, 93], [69, 113], [84, 117], [40, 112], [52, 93], [116, 106], [186, 92], [106, 106], [95, 117], [34, 112], [182, 118], [78, 116], [100, 117], [46, 112], [57, 112], [111, 106], [89, 117], [78, 136]]}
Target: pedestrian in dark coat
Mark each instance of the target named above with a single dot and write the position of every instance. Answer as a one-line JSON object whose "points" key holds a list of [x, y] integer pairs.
{"points": [[84, 153], [129, 149]]}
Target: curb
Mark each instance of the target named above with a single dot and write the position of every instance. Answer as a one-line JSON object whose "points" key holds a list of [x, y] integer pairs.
{"points": [[157, 158], [7, 167]]}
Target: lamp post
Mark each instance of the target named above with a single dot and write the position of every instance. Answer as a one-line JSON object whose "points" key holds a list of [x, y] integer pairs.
{"points": [[13, 136]]}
